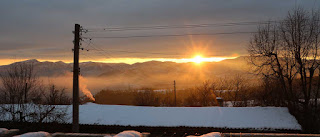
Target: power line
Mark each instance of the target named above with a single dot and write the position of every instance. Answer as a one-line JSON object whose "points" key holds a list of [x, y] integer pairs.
{"points": [[126, 51], [86, 55], [106, 56], [139, 52], [176, 26], [168, 35], [100, 49], [102, 52], [96, 48]]}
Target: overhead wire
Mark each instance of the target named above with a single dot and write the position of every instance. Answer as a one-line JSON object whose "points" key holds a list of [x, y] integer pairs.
{"points": [[169, 35], [87, 56], [106, 29], [96, 48], [103, 29], [138, 52], [108, 55], [91, 44]]}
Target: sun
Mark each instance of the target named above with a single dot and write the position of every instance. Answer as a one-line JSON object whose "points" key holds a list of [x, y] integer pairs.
{"points": [[197, 59]]}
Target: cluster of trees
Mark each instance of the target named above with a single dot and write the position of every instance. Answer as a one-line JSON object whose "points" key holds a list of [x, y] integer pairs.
{"points": [[24, 98], [286, 55]]}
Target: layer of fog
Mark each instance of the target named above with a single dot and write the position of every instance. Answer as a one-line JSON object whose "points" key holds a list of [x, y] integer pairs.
{"points": [[90, 85]]}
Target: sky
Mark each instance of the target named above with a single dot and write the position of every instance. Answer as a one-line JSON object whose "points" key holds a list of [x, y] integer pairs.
{"points": [[42, 29]]}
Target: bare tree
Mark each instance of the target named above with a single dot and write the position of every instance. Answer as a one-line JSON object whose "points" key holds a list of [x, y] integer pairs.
{"points": [[46, 113], [234, 89], [269, 93], [288, 50], [239, 92], [206, 94], [192, 98], [57, 96], [18, 83], [202, 95], [223, 85], [168, 98], [23, 93]]}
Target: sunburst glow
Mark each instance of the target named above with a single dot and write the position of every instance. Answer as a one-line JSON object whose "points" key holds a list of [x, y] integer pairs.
{"points": [[198, 59]]}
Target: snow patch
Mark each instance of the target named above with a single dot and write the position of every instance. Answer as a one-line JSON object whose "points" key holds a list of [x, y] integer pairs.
{"points": [[212, 134], [129, 133], [3, 130], [90, 103], [35, 134]]}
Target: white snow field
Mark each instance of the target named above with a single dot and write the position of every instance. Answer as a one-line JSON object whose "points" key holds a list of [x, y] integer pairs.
{"points": [[258, 118]]}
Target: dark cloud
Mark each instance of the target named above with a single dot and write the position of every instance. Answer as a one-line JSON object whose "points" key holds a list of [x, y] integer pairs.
{"points": [[43, 27]]}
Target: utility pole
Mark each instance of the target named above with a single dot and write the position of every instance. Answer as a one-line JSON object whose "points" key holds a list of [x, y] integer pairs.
{"points": [[75, 97], [175, 93]]}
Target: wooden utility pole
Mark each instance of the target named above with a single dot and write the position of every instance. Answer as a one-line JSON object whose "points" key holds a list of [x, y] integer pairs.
{"points": [[75, 97], [175, 93]]}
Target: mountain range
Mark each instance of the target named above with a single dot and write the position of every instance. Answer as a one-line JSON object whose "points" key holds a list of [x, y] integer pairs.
{"points": [[153, 73], [97, 69]]}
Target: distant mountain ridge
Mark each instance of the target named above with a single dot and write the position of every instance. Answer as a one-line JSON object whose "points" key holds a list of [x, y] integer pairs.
{"points": [[144, 69]]}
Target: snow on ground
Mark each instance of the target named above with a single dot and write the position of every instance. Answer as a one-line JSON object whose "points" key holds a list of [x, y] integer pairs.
{"points": [[129, 133], [35, 134], [258, 118], [218, 117], [212, 134], [3, 131]]}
